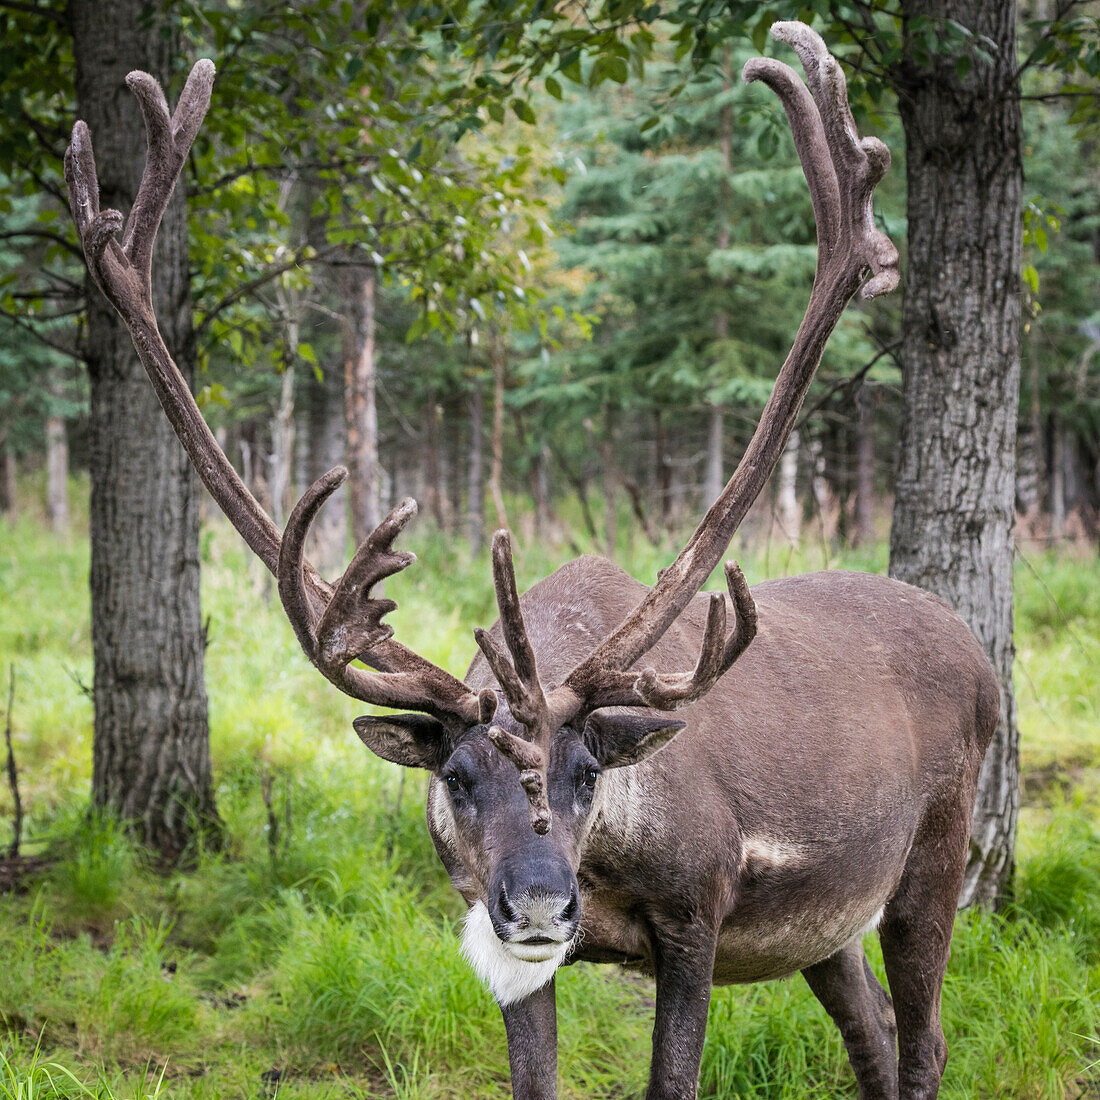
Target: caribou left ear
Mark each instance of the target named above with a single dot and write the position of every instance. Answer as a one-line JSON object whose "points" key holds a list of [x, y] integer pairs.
{"points": [[412, 740], [617, 740]]}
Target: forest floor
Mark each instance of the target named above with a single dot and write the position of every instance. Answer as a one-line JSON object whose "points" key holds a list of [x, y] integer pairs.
{"points": [[316, 955]]}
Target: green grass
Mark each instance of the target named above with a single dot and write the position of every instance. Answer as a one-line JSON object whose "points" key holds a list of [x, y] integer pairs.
{"points": [[325, 965]]}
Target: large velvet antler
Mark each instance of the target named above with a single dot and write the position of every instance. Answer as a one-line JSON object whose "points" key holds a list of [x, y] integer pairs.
{"points": [[334, 625], [842, 170]]}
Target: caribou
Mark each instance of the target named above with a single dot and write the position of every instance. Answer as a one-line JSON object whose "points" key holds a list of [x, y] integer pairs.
{"points": [[821, 790]]}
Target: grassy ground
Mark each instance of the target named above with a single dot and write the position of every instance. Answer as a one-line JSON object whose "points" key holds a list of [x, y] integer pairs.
{"points": [[322, 961]]}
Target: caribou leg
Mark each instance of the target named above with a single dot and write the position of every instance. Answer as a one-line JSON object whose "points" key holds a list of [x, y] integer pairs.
{"points": [[916, 942], [851, 994], [685, 967], [532, 1027]]}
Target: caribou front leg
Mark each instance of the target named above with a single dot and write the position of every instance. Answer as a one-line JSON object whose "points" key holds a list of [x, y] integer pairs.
{"points": [[685, 966], [532, 1027]]}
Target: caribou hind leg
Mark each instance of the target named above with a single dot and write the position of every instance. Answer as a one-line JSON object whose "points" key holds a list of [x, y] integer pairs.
{"points": [[916, 942], [851, 994]]}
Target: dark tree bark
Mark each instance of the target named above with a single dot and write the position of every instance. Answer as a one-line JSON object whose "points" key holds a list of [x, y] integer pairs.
{"points": [[435, 497], [364, 475], [7, 476], [475, 469], [151, 750], [953, 513], [496, 466], [324, 449]]}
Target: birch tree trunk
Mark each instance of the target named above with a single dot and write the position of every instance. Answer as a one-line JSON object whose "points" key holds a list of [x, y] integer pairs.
{"points": [[790, 514], [953, 512], [151, 756], [57, 458], [714, 482]]}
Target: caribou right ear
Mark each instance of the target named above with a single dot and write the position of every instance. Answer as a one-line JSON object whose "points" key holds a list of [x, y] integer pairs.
{"points": [[617, 740], [412, 740]]}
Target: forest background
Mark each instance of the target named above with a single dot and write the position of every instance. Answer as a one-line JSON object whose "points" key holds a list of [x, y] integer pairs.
{"points": [[536, 268]]}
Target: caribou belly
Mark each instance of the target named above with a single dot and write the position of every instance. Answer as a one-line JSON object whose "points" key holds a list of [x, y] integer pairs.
{"points": [[790, 913]]}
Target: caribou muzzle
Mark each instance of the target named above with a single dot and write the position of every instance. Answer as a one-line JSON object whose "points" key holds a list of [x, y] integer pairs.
{"points": [[534, 906]]}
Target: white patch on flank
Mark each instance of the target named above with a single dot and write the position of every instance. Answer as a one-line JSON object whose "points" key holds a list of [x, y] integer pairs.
{"points": [[874, 922], [773, 854], [511, 972]]}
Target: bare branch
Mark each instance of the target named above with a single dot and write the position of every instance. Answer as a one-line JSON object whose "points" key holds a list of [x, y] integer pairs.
{"points": [[21, 322]]}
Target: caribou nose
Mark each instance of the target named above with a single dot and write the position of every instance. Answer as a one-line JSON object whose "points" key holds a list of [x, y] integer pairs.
{"points": [[535, 907]]}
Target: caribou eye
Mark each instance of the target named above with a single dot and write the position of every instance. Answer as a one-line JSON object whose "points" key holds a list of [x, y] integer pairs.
{"points": [[453, 783], [590, 777]]}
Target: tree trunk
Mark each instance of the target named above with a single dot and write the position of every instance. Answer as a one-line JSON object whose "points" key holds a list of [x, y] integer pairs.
{"points": [[325, 438], [282, 444], [456, 468], [497, 464], [714, 482], [541, 485], [865, 467], [663, 470], [57, 460], [1030, 457], [475, 500], [1057, 479], [790, 514], [953, 512], [610, 512], [364, 476], [7, 476], [436, 498], [151, 755]]}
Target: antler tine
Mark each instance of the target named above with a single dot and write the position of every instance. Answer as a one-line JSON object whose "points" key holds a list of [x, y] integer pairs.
{"points": [[717, 653], [169, 141], [519, 681], [519, 678], [671, 691], [350, 625], [841, 171]]}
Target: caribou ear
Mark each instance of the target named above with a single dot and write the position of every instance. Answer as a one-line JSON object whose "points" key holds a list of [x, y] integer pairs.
{"points": [[412, 740], [616, 740]]}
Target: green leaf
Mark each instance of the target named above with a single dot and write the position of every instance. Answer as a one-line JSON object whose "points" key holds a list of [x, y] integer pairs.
{"points": [[523, 111]]}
